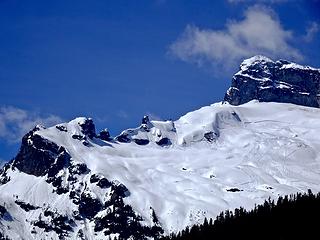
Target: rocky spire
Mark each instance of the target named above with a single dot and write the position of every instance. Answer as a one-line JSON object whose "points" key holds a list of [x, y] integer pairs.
{"points": [[262, 79]]}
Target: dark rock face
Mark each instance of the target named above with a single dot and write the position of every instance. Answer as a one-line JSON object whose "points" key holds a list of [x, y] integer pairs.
{"points": [[262, 79], [145, 120], [126, 223], [89, 206], [104, 135], [124, 138], [62, 160], [141, 141], [103, 183], [234, 190], [94, 178], [78, 137], [3, 210], [145, 124], [57, 222], [4, 178], [164, 142], [26, 206], [121, 218], [79, 169], [119, 191], [88, 127], [61, 128], [210, 136], [38, 156]]}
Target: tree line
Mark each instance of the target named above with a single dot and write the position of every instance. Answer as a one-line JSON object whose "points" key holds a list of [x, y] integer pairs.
{"points": [[290, 217]]}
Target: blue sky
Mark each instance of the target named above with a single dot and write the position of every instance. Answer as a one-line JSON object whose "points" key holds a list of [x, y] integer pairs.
{"points": [[118, 60]]}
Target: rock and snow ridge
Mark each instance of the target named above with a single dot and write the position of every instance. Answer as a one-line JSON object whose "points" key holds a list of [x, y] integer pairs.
{"points": [[267, 81], [67, 182]]}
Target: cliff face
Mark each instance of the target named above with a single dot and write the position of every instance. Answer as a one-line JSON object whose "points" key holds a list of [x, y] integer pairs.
{"points": [[267, 81]]}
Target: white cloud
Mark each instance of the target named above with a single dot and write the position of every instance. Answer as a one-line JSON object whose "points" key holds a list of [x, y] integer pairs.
{"points": [[15, 122], [311, 31], [260, 32]]}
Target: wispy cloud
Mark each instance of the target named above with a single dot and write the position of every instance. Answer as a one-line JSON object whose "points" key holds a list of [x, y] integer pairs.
{"points": [[153, 116], [15, 122], [122, 114], [312, 29], [259, 32]]}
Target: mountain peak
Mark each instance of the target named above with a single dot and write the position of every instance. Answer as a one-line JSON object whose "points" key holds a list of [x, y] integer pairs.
{"points": [[254, 60], [260, 78]]}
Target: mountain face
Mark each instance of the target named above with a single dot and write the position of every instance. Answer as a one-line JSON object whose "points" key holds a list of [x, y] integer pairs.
{"points": [[70, 182], [267, 81]]}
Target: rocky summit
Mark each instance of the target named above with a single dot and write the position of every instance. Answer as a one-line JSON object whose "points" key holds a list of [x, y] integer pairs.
{"points": [[68, 182], [282, 81]]}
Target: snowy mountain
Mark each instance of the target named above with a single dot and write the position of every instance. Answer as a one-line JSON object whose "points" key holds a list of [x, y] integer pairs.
{"points": [[265, 80], [68, 182]]}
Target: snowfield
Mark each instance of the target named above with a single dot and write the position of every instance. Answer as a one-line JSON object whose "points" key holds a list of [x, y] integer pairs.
{"points": [[220, 157]]}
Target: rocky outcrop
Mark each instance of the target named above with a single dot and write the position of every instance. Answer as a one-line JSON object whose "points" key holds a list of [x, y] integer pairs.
{"points": [[149, 132], [74, 182], [104, 135], [87, 127], [262, 79], [38, 156]]}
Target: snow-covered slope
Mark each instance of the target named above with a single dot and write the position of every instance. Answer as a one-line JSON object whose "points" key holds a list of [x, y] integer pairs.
{"points": [[69, 182], [254, 151]]}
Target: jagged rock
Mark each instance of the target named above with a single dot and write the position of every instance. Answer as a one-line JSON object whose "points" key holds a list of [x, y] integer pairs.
{"points": [[72, 194], [3, 237], [94, 178], [234, 190], [267, 81], [80, 235], [209, 136], [79, 168], [61, 161], [104, 135], [89, 206], [104, 183], [61, 128], [145, 123], [26, 206], [3, 210], [4, 178], [145, 119], [61, 224], [121, 219], [87, 127], [164, 142], [57, 183], [118, 190], [36, 154], [86, 143], [78, 137], [156, 131], [141, 141], [123, 138]]}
